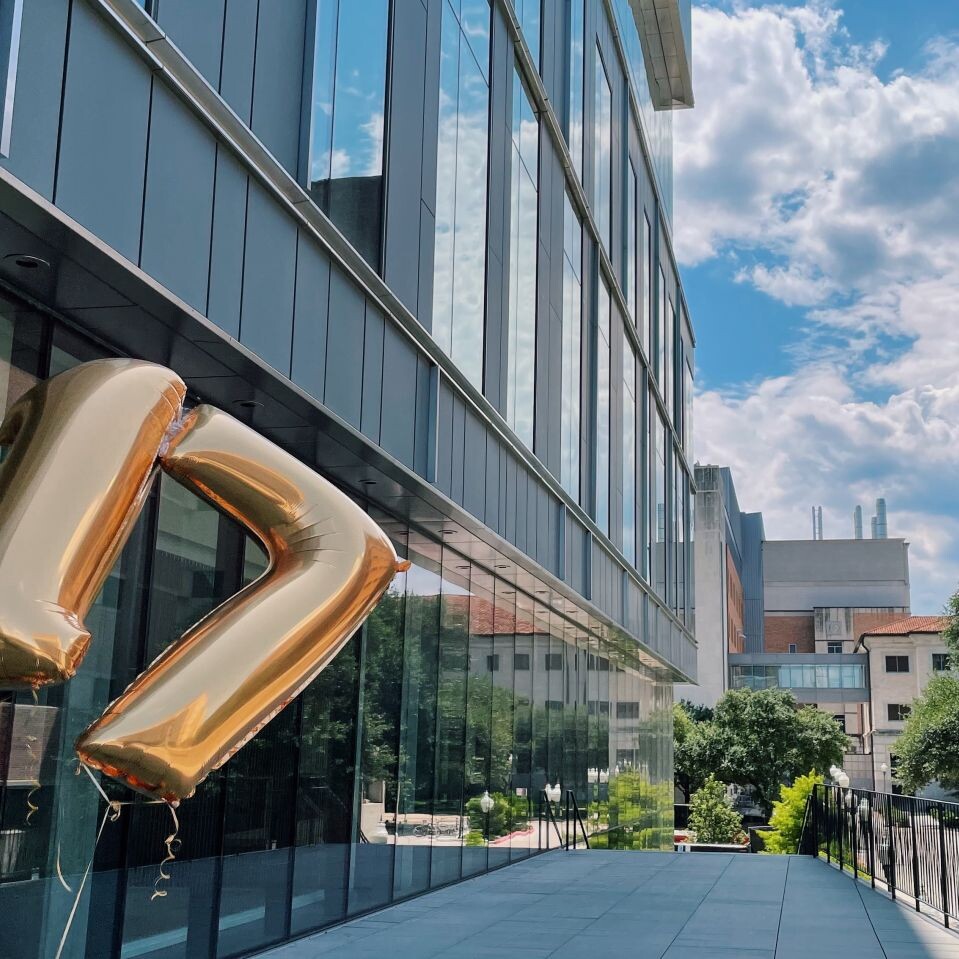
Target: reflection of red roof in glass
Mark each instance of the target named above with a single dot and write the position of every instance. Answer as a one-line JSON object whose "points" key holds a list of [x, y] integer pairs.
{"points": [[911, 624], [486, 619]]}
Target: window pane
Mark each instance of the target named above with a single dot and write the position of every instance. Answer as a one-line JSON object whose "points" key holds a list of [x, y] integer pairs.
{"points": [[570, 418], [382, 689], [629, 451], [647, 284], [631, 227], [603, 154], [658, 519], [576, 54], [661, 334], [418, 728], [347, 118], [524, 178], [460, 717], [528, 14], [602, 409], [461, 194]]}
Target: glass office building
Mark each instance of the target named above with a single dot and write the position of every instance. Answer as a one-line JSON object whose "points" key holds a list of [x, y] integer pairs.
{"points": [[424, 247]]}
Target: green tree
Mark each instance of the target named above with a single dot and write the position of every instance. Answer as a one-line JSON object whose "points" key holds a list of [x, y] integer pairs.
{"points": [[951, 633], [693, 758], [711, 814], [928, 748], [696, 711], [789, 812], [762, 739]]}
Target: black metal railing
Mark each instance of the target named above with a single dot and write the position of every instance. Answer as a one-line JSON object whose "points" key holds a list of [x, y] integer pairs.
{"points": [[572, 820], [909, 846]]}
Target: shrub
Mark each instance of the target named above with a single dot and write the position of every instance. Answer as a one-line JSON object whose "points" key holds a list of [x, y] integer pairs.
{"points": [[711, 814], [788, 814]]}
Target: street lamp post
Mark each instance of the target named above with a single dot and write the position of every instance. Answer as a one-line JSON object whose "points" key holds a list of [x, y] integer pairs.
{"points": [[486, 804], [885, 777]]}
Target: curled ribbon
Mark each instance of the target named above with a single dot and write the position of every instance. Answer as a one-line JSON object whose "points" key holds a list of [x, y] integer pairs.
{"points": [[32, 808], [172, 843]]}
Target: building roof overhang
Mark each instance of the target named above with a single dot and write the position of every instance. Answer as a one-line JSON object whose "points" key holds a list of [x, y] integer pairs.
{"points": [[665, 29]]}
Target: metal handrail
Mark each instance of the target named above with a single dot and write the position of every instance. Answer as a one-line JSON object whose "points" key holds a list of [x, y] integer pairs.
{"points": [[550, 818], [905, 844], [574, 808]]}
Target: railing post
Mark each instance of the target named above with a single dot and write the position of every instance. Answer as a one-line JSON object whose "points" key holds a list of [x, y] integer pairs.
{"points": [[841, 822], [915, 853], [566, 824], [854, 828], [825, 792], [872, 845], [890, 828], [943, 881], [815, 820]]}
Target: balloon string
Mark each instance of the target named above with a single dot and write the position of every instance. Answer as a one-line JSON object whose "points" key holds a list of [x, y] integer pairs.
{"points": [[35, 785], [111, 813], [172, 848]]}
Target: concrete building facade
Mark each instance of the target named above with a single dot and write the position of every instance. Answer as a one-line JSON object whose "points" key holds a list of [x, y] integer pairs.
{"points": [[728, 560], [424, 246]]}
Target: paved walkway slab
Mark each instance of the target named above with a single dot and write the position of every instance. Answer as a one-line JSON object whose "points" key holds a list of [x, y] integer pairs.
{"points": [[590, 905]]}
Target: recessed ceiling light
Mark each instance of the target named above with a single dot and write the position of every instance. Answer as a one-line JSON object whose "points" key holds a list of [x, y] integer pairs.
{"points": [[27, 261]]}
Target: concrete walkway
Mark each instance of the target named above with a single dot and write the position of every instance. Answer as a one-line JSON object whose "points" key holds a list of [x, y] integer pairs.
{"points": [[620, 905]]}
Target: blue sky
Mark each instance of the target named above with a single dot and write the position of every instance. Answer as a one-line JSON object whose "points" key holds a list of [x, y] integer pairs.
{"points": [[817, 226]]}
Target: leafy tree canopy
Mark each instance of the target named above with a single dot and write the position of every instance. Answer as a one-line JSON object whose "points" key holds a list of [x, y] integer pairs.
{"points": [[711, 814], [760, 739], [928, 748], [951, 632]]}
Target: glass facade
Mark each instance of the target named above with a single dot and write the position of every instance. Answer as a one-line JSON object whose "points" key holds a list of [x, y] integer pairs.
{"points": [[797, 676], [603, 408], [347, 115], [571, 413], [658, 124], [603, 154], [366, 789], [459, 272], [524, 195]]}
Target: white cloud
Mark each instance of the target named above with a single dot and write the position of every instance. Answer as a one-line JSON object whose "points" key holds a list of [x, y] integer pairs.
{"points": [[831, 189]]}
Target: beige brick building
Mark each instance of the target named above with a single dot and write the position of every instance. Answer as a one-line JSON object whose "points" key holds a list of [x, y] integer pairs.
{"points": [[903, 656]]}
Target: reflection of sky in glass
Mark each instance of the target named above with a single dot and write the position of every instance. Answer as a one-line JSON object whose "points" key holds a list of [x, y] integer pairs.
{"points": [[657, 124], [349, 89], [647, 281], [631, 226], [629, 451], [668, 374], [524, 179], [528, 14], [576, 52], [602, 154], [461, 187], [602, 409], [661, 329], [679, 508], [688, 413], [658, 498], [571, 350]]}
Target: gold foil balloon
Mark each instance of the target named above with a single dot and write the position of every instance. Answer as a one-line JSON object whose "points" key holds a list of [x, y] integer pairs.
{"points": [[82, 449], [230, 673]]}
